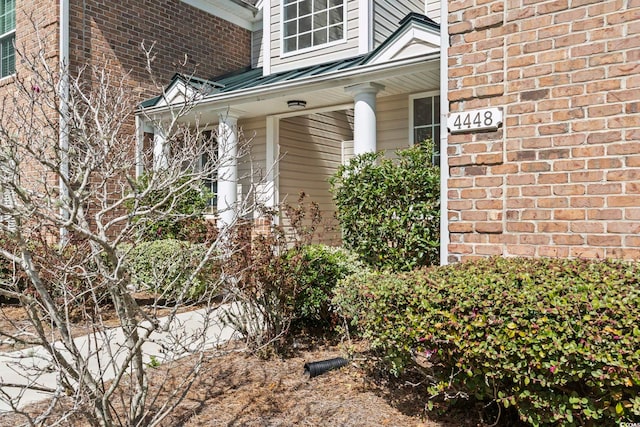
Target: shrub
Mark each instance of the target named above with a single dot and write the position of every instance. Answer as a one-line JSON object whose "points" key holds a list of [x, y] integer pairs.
{"points": [[179, 217], [557, 339], [316, 270], [389, 211], [169, 268]]}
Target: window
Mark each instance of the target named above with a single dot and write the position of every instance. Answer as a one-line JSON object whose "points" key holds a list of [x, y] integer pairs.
{"points": [[426, 122], [7, 37], [310, 23], [208, 161]]}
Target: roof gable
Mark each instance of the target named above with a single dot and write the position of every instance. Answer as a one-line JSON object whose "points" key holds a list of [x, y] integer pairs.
{"points": [[183, 89], [417, 35]]}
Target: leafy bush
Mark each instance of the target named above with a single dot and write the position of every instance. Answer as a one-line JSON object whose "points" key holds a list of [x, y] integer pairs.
{"points": [[316, 270], [557, 339], [282, 280], [389, 211], [177, 217], [171, 268]]}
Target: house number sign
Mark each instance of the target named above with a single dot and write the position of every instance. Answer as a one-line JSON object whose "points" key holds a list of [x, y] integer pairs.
{"points": [[487, 119]]}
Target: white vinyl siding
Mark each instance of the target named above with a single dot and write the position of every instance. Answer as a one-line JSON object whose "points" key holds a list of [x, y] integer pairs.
{"points": [[387, 15], [252, 167], [281, 61], [393, 123], [433, 9], [256, 49], [311, 150]]}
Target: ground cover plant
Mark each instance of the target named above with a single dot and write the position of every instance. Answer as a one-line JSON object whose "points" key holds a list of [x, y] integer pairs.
{"points": [[389, 209], [556, 339]]}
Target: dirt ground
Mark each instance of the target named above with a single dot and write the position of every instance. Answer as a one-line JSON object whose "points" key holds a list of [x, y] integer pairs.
{"points": [[235, 388]]}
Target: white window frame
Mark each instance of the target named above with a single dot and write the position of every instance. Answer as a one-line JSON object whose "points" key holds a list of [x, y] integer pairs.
{"points": [[9, 35], [312, 48], [212, 137], [436, 141]]}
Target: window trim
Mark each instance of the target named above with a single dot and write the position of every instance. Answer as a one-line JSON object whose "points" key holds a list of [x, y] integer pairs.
{"points": [[212, 203], [3, 37], [343, 40], [412, 98]]}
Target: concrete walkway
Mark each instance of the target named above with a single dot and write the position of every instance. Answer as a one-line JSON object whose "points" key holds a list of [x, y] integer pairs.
{"points": [[188, 332]]}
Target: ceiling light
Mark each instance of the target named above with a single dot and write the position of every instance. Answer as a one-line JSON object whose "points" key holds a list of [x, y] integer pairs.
{"points": [[297, 104]]}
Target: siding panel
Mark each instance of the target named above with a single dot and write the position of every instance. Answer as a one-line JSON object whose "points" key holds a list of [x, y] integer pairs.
{"points": [[388, 13], [433, 10], [393, 123], [311, 148], [254, 162]]}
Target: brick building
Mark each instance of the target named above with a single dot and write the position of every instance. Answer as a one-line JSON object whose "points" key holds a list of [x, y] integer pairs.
{"points": [[561, 177], [111, 32]]}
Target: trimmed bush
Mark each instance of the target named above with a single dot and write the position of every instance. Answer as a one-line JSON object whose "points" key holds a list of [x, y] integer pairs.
{"points": [[168, 268], [389, 210], [557, 339], [317, 269]]}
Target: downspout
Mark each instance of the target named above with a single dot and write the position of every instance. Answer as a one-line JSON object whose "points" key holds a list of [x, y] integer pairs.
{"points": [[444, 114], [63, 91]]}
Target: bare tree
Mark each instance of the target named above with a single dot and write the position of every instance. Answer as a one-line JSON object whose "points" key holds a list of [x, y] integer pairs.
{"points": [[73, 211]]}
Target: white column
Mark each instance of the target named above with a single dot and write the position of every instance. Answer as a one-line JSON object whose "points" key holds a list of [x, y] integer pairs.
{"points": [[227, 196], [364, 126], [160, 150]]}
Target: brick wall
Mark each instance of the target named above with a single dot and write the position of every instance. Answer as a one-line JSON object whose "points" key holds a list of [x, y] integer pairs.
{"points": [[562, 177], [186, 40]]}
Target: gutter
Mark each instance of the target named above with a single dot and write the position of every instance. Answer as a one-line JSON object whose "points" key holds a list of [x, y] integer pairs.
{"points": [[63, 91], [444, 114], [313, 82]]}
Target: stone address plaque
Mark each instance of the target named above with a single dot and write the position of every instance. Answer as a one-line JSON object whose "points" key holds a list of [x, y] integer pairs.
{"points": [[487, 119]]}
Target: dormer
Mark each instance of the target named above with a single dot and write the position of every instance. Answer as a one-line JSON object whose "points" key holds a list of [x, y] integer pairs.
{"points": [[299, 33]]}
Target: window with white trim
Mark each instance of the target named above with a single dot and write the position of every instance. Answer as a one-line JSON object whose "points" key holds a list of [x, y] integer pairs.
{"points": [[7, 37], [426, 123], [208, 160], [307, 24]]}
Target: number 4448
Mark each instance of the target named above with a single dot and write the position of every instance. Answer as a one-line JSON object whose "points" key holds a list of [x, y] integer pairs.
{"points": [[477, 120]]}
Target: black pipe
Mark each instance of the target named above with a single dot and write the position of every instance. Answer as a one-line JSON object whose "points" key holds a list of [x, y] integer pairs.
{"points": [[316, 368]]}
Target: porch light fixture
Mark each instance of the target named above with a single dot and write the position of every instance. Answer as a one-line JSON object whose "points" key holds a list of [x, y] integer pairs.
{"points": [[297, 104]]}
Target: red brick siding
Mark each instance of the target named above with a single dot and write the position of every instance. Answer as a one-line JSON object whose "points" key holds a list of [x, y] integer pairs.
{"points": [[562, 177], [109, 34], [186, 40]]}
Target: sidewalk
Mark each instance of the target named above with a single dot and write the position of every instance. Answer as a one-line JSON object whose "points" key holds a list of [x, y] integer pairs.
{"points": [[33, 366]]}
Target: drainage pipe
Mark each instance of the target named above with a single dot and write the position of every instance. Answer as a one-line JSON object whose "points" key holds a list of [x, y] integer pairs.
{"points": [[313, 369]]}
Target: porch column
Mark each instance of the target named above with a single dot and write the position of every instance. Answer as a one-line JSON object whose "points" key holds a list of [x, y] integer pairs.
{"points": [[364, 126], [227, 196], [160, 150]]}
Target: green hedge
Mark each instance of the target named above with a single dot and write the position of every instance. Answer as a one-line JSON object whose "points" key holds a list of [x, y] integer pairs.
{"points": [[166, 267], [389, 210], [316, 270], [557, 339]]}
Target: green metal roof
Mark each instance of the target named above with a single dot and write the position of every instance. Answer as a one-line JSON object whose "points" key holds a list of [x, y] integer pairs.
{"points": [[249, 78]]}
